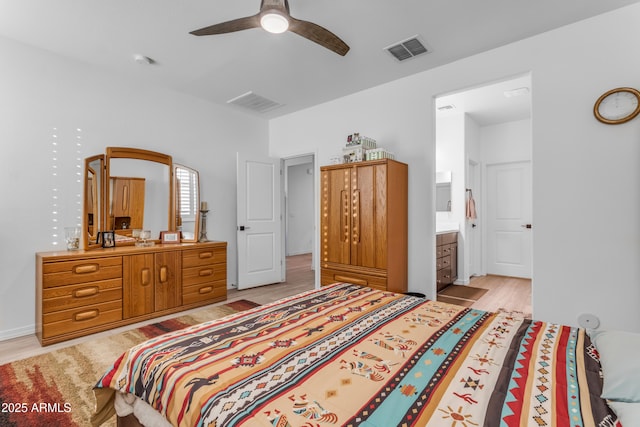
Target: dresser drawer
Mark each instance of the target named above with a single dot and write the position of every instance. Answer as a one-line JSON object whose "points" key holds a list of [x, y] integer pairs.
{"points": [[329, 276], [446, 249], [204, 291], [80, 295], [203, 274], [444, 276], [199, 257], [66, 321], [443, 262], [80, 271]]}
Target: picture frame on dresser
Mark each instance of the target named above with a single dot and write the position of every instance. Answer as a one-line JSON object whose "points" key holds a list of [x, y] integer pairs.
{"points": [[108, 239], [169, 237]]}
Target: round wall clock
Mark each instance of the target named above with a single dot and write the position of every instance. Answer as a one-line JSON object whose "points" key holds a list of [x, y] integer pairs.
{"points": [[617, 106]]}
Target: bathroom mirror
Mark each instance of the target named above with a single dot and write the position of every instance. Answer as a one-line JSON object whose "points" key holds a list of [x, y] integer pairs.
{"points": [[92, 219], [187, 202], [138, 193], [443, 191]]}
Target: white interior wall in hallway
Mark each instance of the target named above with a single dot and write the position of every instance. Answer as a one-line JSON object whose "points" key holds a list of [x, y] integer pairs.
{"points": [[300, 209]]}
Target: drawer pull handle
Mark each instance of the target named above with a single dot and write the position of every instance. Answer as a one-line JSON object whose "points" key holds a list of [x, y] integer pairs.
{"points": [[85, 292], [353, 280], [86, 315], [207, 272], [145, 277], [163, 274], [86, 268], [205, 290], [203, 255]]}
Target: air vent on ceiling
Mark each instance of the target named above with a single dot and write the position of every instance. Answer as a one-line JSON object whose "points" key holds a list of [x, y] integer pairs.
{"points": [[407, 49], [254, 102], [447, 107]]}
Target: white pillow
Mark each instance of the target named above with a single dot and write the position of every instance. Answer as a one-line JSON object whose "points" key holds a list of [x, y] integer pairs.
{"points": [[620, 364], [628, 413]]}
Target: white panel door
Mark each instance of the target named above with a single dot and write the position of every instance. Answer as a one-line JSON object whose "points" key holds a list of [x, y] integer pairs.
{"points": [[259, 230], [509, 219]]}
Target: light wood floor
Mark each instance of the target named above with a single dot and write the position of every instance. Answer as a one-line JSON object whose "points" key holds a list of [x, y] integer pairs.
{"points": [[505, 292]]}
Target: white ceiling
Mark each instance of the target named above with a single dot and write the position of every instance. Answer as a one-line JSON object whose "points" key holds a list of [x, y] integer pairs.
{"points": [[489, 104], [285, 68]]}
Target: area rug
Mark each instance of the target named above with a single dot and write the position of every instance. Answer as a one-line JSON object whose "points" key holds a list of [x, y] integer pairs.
{"points": [[461, 295], [56, 388]]}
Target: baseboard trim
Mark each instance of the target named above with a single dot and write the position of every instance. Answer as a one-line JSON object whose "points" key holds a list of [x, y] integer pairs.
{"points": [[17, 332]]}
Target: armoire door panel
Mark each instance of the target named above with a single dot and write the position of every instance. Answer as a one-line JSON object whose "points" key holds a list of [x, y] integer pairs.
{"points": [[369, 205], [381, 217], [336, 216], [361, 186]]}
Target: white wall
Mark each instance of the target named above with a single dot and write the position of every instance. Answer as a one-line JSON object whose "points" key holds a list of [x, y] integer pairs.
{"points": [[450, 156], [300, 209], [45, 95], [451, 134], [506, 142], [582, 263]]}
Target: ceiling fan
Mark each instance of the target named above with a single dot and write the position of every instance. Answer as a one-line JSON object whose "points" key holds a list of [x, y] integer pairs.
{"points": [[274, 17]]}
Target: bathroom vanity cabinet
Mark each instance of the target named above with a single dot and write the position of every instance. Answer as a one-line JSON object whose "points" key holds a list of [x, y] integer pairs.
{"points": [[446, 259]]}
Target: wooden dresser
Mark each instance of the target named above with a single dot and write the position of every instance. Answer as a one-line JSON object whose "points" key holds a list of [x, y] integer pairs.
{"points": [[82, 292], [446, 259], [363, 224]]}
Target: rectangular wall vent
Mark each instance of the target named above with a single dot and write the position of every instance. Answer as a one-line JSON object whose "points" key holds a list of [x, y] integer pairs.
{"points": [[407, 49], [254, 102]]}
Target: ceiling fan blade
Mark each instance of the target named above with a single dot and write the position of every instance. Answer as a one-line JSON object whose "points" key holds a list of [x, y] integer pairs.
{"points": [[229, 26], [318, 34]]}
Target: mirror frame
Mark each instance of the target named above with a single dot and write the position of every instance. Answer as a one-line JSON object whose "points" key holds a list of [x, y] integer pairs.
{"points": [[140, 154], [103, 196], [196, 228], [97, 199], [444, 177]]}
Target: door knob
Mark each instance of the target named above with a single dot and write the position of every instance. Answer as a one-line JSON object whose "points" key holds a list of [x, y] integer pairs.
{"points": [[242, 227], [526, 226]]}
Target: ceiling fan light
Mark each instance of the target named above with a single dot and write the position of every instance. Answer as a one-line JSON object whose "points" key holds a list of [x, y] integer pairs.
{"points": [[274, 22]]}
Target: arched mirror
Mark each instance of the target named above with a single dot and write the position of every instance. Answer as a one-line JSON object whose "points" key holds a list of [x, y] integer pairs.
{"points": [[93, 189], [133, 189], [138, 189], [187, 202]]}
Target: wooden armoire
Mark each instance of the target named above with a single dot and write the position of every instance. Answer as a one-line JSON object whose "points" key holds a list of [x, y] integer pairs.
{"points": [[363, 224]]}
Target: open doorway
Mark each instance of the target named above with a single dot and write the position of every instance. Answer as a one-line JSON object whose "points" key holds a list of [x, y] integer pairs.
{"points": [[481, 133], [299, 214]]}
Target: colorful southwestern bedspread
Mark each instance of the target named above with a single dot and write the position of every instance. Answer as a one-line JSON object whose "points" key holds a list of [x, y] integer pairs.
{"points": [[348, 355]]}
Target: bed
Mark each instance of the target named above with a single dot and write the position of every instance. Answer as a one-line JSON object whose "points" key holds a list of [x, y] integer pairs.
{"points": [[347, 355]]}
